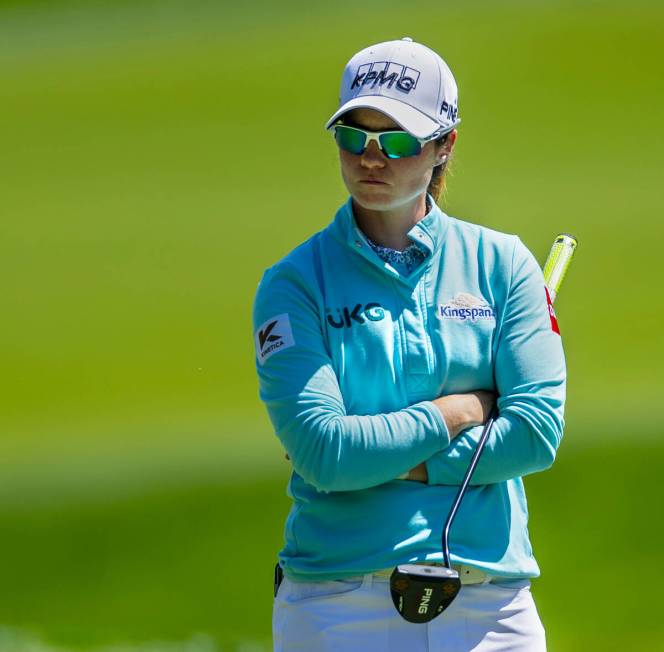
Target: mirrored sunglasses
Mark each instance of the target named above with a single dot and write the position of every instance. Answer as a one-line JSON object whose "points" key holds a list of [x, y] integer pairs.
{"points": [[394, 144]]}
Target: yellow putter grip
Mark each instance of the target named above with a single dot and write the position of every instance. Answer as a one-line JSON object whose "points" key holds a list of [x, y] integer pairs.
{"points": [[558, 261]]}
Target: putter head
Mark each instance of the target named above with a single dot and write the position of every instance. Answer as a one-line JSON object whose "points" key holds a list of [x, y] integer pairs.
{"points": [[422, 592]]}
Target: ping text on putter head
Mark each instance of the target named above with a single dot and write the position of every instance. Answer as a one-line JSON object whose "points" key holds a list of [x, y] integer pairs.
{"points": [[420, 592]]}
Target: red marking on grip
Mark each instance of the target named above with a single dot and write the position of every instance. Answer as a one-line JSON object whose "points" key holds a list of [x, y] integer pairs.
{"points": [[552, 314]]}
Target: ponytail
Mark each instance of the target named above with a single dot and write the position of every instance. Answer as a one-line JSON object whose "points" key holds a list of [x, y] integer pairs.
{"points": [[437, 184]]}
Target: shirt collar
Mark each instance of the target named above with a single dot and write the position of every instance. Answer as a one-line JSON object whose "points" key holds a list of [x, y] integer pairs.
{"points": [[429, 232]]}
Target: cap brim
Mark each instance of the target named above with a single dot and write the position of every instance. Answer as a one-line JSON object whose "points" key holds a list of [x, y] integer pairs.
{"points": [[407, 117]]}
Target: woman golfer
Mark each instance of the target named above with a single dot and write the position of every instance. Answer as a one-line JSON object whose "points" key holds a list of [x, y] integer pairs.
{"points": [[382, 344]]}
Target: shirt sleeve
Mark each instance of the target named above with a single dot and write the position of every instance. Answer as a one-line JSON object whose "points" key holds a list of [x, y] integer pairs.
{"points": [[530, 375], [331, 450]]}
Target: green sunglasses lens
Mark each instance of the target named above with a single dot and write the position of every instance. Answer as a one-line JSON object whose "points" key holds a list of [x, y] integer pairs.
{"points": [[394, 144], [399, 144], [352, 140]]}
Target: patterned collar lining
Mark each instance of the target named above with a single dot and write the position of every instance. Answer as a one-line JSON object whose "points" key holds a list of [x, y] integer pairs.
{"points": [[408, 259]]}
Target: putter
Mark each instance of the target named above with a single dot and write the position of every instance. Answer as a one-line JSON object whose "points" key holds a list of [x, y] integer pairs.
{"points": [[421, 592]]}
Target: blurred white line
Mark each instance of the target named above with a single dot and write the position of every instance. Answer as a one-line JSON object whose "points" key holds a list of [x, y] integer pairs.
{"points": [[15, 640]]}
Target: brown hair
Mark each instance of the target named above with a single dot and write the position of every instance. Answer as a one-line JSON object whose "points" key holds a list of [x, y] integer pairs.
{"points": [[437, 184]]}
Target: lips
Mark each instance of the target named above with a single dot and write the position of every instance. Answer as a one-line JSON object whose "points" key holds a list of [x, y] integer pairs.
{"points": [[373, 182]]}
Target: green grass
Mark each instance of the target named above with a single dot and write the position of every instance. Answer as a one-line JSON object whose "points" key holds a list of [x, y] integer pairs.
{"points": [[168, 563], [147, 182]]}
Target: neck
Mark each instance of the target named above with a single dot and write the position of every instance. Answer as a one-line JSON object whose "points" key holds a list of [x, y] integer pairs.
{"points": [[389, 228]]}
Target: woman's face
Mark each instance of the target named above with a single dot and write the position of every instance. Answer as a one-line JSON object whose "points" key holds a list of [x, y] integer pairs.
{"points": [[380, 183]]}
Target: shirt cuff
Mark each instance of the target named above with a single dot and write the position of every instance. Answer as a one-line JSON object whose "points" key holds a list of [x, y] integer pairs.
{"points": [[439, 423]]}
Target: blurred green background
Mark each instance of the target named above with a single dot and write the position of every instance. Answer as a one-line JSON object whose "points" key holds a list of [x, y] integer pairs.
{"points": [[155, 157]]}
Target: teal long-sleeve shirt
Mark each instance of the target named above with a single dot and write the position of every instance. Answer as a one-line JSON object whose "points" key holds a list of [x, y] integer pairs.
{"points": [[350, 353]]}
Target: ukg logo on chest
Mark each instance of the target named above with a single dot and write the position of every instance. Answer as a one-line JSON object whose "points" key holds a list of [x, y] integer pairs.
{"points": [[465, 306], [358, 314]]}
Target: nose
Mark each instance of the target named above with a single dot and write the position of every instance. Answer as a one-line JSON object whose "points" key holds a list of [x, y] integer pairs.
{"points": [[372, 157]]}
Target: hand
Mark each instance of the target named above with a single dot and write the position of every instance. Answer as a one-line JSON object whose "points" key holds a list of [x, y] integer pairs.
{"points": [[462, 411], [487, 400], [419, 473]]}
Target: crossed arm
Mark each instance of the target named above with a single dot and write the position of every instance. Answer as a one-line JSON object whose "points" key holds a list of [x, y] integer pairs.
{"points": [[460, 411], [431, 441]]}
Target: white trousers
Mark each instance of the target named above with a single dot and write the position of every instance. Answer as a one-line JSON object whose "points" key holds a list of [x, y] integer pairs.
{"points": [[358, 615]]}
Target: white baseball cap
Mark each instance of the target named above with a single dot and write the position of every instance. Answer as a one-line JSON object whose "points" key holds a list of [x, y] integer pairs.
{"points": [[405, 80]]}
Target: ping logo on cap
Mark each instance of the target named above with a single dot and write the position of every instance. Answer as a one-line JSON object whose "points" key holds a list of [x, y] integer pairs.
{"points": [[273, 336], [450, 110], [380, 73]]}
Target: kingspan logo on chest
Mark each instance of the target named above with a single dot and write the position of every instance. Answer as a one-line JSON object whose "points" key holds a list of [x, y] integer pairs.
{"points": [[466, 306], [360, 313]]}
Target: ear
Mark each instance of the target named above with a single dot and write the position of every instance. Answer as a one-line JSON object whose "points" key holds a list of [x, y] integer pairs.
{"points": [[446, 147]]}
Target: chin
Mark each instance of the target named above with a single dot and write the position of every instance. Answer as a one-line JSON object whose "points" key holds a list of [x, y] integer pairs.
{"points": [[374, 199]]}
